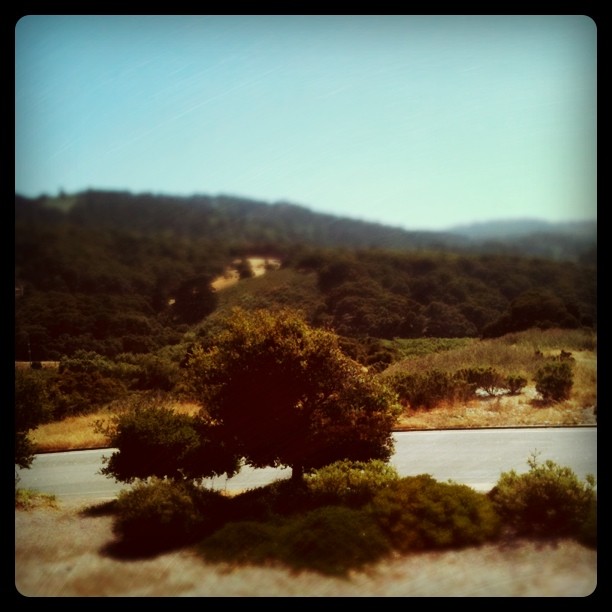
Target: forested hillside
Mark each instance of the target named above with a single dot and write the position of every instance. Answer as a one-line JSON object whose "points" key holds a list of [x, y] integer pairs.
{"points": [[119, 273]]}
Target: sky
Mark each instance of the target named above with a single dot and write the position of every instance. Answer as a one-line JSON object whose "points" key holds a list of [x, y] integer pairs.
{"points": [[420, 122]]}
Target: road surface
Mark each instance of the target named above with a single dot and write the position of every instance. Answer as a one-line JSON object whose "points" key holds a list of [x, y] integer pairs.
{"points": [[472, 457]]}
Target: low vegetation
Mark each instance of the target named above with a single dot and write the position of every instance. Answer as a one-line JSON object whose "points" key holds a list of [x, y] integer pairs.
{"points": [[547, 501], [516, 358], [531, 378], [350, 514], [347, 514], [27, 499]]}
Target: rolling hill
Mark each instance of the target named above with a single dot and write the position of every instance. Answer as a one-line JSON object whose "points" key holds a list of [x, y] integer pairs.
{"points": [[115, 272], [259, 224]]}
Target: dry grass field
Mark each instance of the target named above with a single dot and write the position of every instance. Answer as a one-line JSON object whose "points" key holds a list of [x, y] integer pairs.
{"points": [[78, 432]]}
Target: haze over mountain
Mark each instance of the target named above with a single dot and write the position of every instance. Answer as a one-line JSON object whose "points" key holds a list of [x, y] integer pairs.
{"points": [[251, 222], [505, 228]]}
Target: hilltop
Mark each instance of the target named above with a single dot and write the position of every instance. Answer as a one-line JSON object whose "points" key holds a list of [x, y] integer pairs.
{"points": [[247, 222]]}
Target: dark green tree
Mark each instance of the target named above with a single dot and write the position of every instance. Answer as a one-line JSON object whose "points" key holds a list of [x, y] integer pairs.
{"points": [[554, 381], [446, 321], [533, 308], [154, 441], [194, 300], [284, 394], [31, 409]]}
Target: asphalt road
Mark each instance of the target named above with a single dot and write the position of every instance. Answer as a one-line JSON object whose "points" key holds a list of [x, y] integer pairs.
{"points": [[472, 457]]}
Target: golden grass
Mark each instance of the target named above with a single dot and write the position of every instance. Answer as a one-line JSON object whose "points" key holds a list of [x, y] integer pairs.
{"points": [[511, 354], [25, 365], [71, 433], [78, 432], [523, 410]]}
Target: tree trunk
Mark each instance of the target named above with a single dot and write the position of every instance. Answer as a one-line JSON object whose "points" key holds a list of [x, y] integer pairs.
{"points": [[297, 473]]}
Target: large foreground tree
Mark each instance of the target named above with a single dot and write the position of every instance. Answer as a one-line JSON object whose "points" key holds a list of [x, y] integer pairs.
{"points": [[283, 394]]}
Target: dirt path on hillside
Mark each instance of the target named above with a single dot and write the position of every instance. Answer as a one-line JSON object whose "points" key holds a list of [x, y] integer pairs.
{"points": [[259, 266], [60, 552]]}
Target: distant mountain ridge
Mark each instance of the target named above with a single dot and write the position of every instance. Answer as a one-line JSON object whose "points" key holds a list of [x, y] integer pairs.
{"points": [[251, 222], [505, 228]]}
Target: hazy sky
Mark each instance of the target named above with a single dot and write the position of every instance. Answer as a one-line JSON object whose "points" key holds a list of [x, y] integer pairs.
{"points": [[414, 121]]}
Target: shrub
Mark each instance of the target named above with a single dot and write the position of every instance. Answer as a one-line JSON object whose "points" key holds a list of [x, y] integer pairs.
{"points": [[352, 483], [278, 499], [515, 383], [486, 378], [160, 514], [419, 513], [554, 380], [331, 540], [26, 499], [86, 361], [334, 539], [152, 440], [148, 371], [82, 391], [32, 407], [587, 533], [426, 389], [549, 500], [243, 542], [285, 522]]}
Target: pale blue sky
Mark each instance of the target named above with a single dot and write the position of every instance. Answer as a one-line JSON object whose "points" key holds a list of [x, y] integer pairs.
{"points": [[422, 122]]}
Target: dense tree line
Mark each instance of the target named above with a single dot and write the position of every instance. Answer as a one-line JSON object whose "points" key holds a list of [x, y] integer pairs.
{"points": [[116, 273], [396, 294]]}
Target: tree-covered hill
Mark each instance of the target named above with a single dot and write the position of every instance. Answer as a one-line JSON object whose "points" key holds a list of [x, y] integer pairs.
{"points": [[116, 273], [250, 223]]}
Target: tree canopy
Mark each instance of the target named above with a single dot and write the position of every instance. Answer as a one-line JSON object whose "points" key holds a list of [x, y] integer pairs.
{"points": [[284, 394], [31, 409]]}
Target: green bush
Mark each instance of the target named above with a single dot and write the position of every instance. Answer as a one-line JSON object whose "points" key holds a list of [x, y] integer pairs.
{"points": [[554, 380], [161, 514], [148, 372], [427, 389], [32, 407], [244, 542], [330, 540], [82, 391], [486, 378], [351, 483], [333, 540], [548, 500], [419, 513], [587, 533], [515, 383], [153, 440], [281, 498], [26, 499]]}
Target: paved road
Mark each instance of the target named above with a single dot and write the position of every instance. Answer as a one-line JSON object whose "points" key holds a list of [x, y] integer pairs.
{"points": [[473, 457]]}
